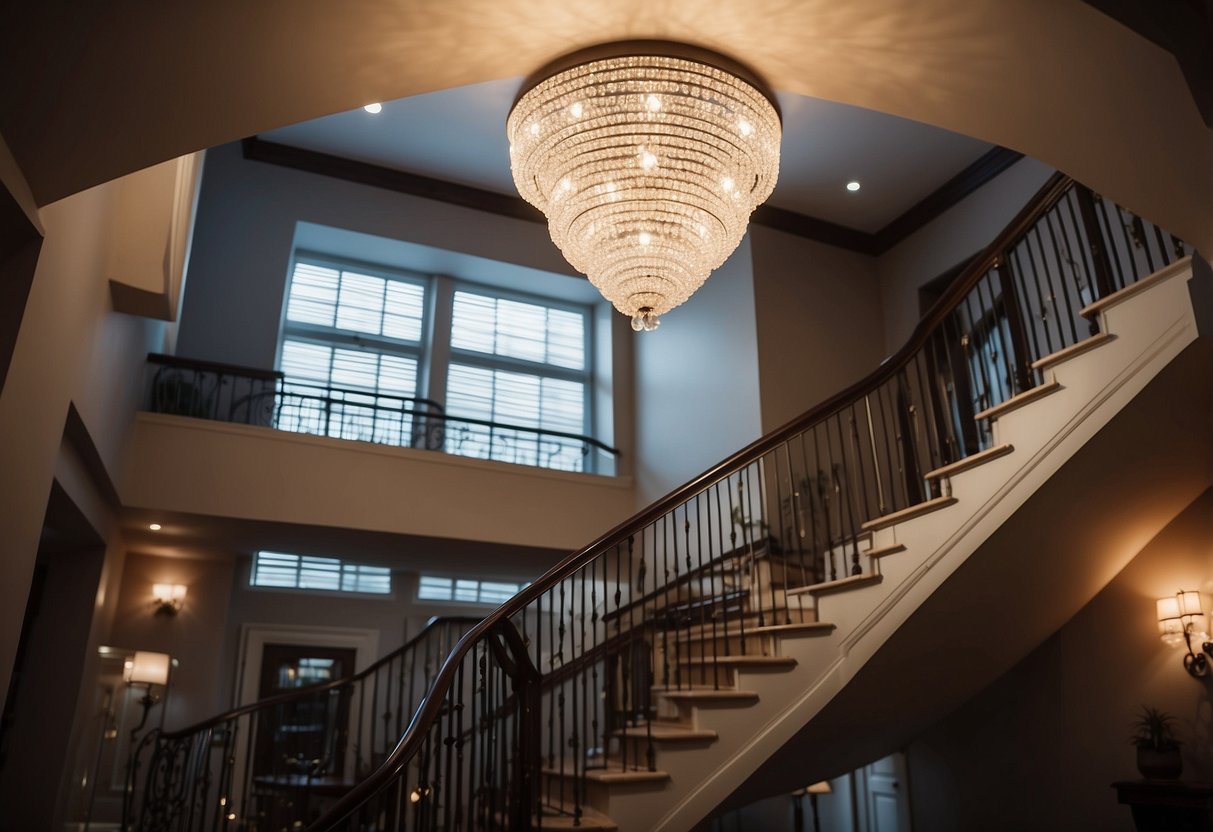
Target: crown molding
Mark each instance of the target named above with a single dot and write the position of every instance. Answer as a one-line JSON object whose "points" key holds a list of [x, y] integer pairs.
{"points": [[944, 197]]}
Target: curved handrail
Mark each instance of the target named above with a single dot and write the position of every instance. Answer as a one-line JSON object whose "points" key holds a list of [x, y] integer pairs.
{"points": [[432, 704], [897, 367], [312, 690]]}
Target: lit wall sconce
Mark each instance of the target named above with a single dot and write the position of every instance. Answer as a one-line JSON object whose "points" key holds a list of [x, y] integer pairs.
{"points": [[1181, 621], [168, 598], [148, 669]]}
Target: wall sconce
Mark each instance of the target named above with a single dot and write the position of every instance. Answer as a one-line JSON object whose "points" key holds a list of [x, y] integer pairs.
{"points": [[149, 669], [168, 598], [1181, 621]]}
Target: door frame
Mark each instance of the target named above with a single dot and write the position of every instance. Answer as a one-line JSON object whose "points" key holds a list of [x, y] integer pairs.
{"points": [[254, 637]]}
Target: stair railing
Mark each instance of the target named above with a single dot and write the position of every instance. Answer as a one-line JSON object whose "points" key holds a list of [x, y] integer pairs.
{"points": [[659, 609], [277, 763]]}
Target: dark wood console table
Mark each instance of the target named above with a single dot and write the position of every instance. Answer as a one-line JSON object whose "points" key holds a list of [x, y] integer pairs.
{"points": [[1168, 805]]}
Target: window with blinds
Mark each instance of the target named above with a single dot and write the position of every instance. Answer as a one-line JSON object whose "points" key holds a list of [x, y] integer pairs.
{"points": [[280, 570], [515, 388], [351, 353], [466, 590], [521, 365]]}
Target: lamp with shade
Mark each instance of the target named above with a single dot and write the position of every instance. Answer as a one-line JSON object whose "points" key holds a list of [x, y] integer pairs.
{"points": [[1181, 620]]}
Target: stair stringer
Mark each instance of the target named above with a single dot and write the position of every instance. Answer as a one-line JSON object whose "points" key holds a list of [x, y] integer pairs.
{"points": [[1151, 329]]}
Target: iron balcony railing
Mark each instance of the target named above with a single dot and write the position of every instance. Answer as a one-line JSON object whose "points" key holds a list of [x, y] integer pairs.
{"points": [[278, 763], [230, 393], [560, 681]]}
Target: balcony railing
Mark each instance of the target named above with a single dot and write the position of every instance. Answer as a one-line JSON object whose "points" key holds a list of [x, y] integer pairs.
{"points": [[267, 398]]}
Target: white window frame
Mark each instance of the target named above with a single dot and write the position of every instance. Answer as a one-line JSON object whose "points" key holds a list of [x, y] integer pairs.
{"points": [[434, 353], [321, 591], [455, 579]]}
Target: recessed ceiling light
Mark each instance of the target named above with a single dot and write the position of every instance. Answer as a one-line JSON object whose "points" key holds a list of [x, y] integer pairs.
{"points": [[852, 186], [373, 108], [154, 527]]}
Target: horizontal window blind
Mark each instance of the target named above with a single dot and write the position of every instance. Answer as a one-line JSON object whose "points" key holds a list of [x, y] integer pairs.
{"points": [[286, 571], [466, 590], [514, 329], [355, 302]]}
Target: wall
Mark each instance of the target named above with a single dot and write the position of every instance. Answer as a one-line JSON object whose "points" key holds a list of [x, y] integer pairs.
{"points": [[245, 233], [70, 348], [1040, 747], [194, 636], [955, 235], [697, 393], [819, 321]]}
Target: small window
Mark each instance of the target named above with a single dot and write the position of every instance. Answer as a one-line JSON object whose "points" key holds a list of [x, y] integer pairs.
{"points": [[467, 590], [279, 570]]}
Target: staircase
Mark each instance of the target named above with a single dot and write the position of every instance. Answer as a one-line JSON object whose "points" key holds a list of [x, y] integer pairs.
{"points": [[814, 600]]}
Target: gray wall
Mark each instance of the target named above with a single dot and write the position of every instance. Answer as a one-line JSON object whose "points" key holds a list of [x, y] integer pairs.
{"points": [[245, 233], [956, 234], [697, 395], [1040, 748]]}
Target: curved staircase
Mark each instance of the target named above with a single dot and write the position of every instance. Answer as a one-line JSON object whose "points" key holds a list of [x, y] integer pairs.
{"points": [[814, 600]]}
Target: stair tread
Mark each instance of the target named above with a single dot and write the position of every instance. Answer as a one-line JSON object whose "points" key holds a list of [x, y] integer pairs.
{"points": [[916, 510], [613, 773], [558, 817], [739, 661], [1078, 348], [881, 551], [849, 582], [1166, 272], [811, 628], [1018, 401], [669, 732], [708, 694], [970, 462]]}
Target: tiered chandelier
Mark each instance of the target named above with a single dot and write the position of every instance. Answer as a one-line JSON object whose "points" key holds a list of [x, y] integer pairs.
{"points": [[647, 159]]}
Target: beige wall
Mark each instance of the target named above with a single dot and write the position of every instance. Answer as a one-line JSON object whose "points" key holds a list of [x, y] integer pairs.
{"points": [[1039, 748], [194, 636], [819, 321], [70, 348], [1056, 80]]}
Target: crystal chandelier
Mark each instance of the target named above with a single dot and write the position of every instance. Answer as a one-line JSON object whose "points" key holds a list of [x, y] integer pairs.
{"points": [[647, 159]]}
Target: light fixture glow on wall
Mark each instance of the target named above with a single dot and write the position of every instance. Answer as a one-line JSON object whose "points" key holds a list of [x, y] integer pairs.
{"points": [[647, 159], [168, 598], [1182, 621]]}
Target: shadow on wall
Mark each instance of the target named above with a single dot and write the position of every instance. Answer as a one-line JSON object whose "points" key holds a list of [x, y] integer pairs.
{"points": [[1042, 745]]}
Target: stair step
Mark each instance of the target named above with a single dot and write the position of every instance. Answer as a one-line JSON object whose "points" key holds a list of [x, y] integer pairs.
{"points": [[613, 773], [813, 628], [1082, 346], [1016, 402], [886, 520], [840, 585], [724, 695], [557, 818], [704, 633], [892, 549], [669, 732], [739, 661], [1093, 309], [970, 462]]}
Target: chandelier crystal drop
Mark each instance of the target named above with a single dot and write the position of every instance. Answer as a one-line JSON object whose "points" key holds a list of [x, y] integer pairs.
{"points": [[647, 168]]}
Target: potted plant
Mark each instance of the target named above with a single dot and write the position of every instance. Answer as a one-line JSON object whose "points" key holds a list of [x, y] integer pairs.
{"points": [[1157, 746]]}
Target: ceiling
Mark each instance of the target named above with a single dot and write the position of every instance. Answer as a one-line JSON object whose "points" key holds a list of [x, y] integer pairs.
{"points": [[458, 135]]}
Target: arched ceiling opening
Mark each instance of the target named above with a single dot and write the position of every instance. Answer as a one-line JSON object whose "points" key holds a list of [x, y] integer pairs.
{"points": [[93, 92]]}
